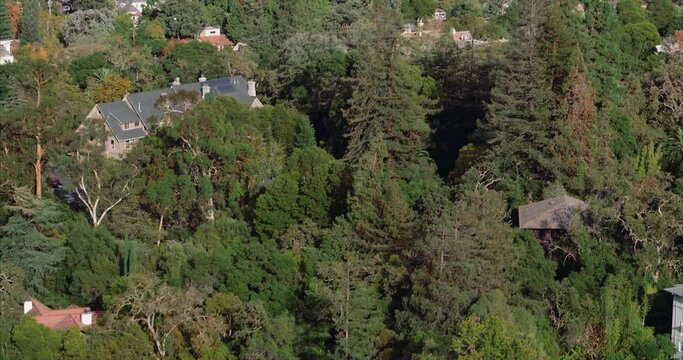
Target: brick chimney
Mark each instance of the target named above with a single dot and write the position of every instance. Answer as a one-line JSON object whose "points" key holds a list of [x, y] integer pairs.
{"points": [[251, 88]]}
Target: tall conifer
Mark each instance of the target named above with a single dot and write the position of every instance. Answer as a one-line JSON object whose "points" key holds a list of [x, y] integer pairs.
{"points": [[522, 125], [386, 105], [30, 21], [5, 21]]}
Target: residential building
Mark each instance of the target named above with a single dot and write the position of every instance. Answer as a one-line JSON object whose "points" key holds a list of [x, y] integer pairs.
{"points": [[133, 8], [462, 38], [7, 48], [673, 44], [213, 36], [439, 14], [677, 319], [465, 38], [63, 319], [129, 120], [550, 214], [429, 30], [409, 30]]}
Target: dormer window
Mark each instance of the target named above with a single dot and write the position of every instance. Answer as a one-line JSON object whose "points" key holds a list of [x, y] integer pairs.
{"points": [[137, 124], [126, 126]]}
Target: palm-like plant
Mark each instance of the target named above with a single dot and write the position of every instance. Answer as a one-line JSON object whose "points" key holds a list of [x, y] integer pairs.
{"points": [[102, 74], [673, 151]]}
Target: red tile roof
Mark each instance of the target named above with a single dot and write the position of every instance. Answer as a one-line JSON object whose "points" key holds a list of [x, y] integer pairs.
{"points": [[62, 319], [462, 38], [38, 307], [217, 40]]}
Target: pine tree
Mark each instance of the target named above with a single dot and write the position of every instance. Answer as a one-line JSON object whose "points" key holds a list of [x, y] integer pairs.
{"points": [[5, 21], [386, 105], [30, 22], [521, 125]]}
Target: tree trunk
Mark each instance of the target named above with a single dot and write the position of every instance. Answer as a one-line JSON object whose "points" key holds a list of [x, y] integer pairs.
{"points": [[210, 211], [38, 167], [346, 306], [39, 90], [442, 253], [161, 227]]}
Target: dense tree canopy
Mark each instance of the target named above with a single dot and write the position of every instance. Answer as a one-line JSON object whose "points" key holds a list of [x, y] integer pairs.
{"points": [[369, 209]]}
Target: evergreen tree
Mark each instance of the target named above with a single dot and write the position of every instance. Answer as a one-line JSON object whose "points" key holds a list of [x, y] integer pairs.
{"points": [[5, 22], [30, 22], [29, 240], [387, 104], [522, 124]]}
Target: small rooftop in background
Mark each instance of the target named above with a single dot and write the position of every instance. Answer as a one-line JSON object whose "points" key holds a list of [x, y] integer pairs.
{"points": [[63, 319], [550, 214], [213, 36]]}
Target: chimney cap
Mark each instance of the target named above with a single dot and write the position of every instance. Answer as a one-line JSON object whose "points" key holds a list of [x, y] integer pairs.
{"points": [[251, 88]]}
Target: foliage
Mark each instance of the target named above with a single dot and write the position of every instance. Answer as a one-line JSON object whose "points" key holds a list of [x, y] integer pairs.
{"points": [[30, 24], [83, 68], [317, 226], [663, 15], [182, 18], [190, 60], [31, 240], [112, 87], [6, 30], [489, 339], [93, 4], [87, 23], [649, 160]]}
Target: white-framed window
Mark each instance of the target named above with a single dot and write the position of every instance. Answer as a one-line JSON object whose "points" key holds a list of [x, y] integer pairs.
{"points": [[126, 126], [137, 124], [128, 144], [111, 142]]}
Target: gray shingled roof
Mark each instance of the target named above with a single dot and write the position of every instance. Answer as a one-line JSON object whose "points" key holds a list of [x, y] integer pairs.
{"points": [[235, 87], [142, 108], [676, 290], [143, 104], [551, 214], [116, 114]]}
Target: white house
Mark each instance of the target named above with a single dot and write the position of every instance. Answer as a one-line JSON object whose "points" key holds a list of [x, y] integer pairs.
{"points": [[677, 318], [6, 56], [465, 38], [439, 14], [133, 8]]}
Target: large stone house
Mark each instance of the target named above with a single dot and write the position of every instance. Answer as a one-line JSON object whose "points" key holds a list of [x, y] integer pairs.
{"points": [[129, 120]]}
